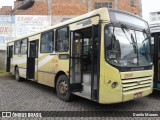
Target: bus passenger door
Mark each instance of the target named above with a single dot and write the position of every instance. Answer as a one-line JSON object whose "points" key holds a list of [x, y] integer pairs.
{"points": [[83, 62], [75, 62], [9, 58], [32, 60]]}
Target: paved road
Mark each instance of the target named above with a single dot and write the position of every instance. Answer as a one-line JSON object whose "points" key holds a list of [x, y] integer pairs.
{"points": [[30, 96]]}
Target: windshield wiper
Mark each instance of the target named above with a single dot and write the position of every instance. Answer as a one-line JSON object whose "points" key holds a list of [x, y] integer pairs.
{"points": [[133, 42], [145, 39], [148, 36]]}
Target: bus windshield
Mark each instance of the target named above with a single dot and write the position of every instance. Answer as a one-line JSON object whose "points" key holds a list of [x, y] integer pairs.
{"points": [[127, 47]]}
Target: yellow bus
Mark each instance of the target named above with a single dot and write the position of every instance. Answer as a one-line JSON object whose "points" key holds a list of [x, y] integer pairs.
{"points": [[98, 56]]}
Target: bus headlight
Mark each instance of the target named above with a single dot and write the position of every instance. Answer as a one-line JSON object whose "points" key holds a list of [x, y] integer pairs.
{"points": [[114, 84]]}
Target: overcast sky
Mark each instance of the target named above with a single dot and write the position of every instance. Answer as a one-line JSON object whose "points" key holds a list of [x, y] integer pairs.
{"points": [[6, 3], [147, 6]]}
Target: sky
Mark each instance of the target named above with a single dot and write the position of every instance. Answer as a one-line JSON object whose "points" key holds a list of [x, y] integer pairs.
{"points": [[147, 6], [6, 3]]}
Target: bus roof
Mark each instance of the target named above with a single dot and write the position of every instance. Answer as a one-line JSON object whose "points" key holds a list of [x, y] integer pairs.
{"points": [[102, 12]]}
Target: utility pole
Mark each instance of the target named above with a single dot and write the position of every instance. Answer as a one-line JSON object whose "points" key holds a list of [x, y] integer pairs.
{"points": [[140, 8], [88, 5], [116, 4], [50, 9]]}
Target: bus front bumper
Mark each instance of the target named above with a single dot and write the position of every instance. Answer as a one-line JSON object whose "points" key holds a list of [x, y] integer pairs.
{"points": [[135, 94]]}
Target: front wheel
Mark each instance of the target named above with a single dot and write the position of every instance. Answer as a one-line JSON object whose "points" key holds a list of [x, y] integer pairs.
{"points": [[17, 77], [62, 88]]}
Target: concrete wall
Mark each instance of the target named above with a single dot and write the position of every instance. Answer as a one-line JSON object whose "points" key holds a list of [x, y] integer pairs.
{"points": [[2, 60]]}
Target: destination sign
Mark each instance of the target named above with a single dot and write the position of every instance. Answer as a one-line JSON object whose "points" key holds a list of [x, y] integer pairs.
{"points": [[84, 23], [155, 29]]}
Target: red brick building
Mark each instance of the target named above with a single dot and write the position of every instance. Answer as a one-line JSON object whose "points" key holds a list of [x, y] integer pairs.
{"points": [[68, 7], [133, 6]]}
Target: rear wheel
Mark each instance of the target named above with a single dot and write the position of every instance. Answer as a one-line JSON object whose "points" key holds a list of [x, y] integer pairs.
{"points": [[17, 77], [62, 88]]}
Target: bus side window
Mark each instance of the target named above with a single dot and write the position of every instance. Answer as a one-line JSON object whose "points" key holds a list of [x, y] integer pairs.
{"points": [[62, 40], [108, 36], [47, 42], [17, 46], [23, 46]]}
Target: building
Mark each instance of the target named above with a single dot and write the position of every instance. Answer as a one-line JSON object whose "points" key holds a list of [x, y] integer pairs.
{"points": [[69, 7], [60, 10], [155, 16], [5, 10]]}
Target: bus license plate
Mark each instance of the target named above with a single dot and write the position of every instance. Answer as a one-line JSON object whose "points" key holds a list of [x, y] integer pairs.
{"points": [[138, 95]]}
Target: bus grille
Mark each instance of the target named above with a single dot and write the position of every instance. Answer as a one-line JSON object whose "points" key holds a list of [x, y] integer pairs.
{"points": [[136, 83]]}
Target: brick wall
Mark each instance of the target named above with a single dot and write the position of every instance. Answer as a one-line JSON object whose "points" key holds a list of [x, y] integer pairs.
{"points": [[39, 8], [69, 7], [125, 5], [17, 4], [5, 10], [74, 7]]}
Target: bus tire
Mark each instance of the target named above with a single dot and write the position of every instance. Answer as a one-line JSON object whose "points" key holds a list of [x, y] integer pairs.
{"points": [[62, 88], [17, 77]]}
